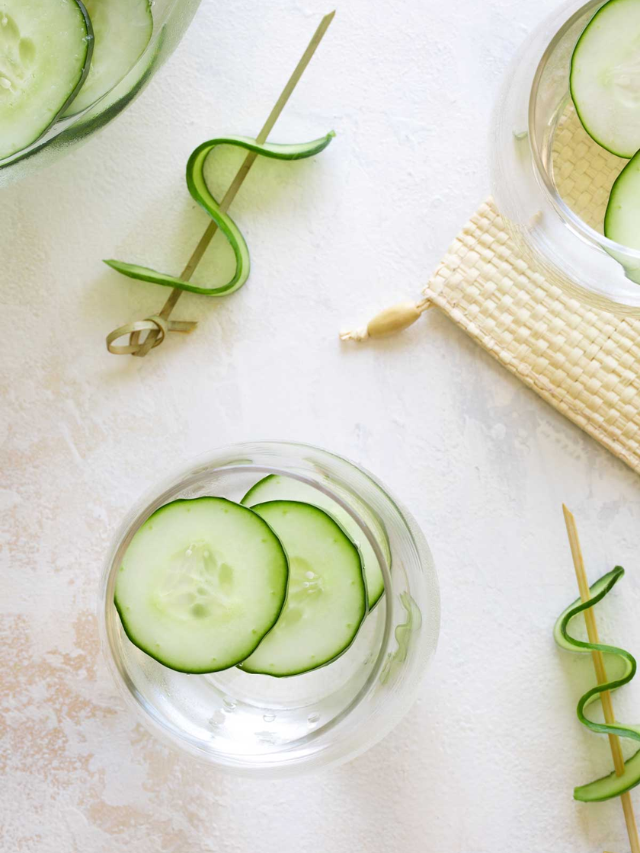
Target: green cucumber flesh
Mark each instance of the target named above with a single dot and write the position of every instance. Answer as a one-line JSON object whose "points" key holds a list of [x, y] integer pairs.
{"points": [[277, 487], [122, 30], [201, 584], [622, 218], [605, 77], [45, 53], [326, 601], [122, 94]]}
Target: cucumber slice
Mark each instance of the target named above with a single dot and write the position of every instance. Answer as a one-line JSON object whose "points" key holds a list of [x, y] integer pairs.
{"points": [[122, 94], [122, 30], [274, 487], [622, 217], [201, 584], [45, 51], [327, 600], [605, 77]]}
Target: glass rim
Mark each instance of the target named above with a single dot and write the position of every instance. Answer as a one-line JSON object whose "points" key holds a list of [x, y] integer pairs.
{"points": [[209, 464], [582, 230]]}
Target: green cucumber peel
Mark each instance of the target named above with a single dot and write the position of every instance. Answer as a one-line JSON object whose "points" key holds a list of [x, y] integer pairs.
{"points": [[611, 785], [200, 192]]}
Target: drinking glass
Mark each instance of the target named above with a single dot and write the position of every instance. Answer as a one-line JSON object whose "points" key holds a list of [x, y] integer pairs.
{"points": [[257, 724], [550, 180]]}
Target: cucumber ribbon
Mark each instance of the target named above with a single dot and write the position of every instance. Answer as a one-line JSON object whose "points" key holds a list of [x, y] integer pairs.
{"points": [[625, 669], [200, 192]]}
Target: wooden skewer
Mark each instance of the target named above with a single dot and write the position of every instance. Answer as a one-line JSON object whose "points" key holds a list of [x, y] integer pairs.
{"points": [[601, 675], [157, 325]]}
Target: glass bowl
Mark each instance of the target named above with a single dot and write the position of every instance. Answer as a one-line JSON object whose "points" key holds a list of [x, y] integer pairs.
{"points": [[550, 180], [256, 724], [171, 19]]}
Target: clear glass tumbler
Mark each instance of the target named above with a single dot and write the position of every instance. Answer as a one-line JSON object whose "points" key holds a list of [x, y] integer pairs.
{"points": [[171, 19], [262, 725], [550, 180]]}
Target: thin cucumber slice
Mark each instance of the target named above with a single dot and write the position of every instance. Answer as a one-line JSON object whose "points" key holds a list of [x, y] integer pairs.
{"points": [[122, 30], [275, 487], [121, 95], [200, 192], [625, 669], [326, 602], [45, 52], [201, 584], [605, 77], [622, 217]]}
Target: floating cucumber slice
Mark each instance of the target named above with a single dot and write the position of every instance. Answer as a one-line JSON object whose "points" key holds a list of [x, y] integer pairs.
{"points": [[45, 51], [201, 584], [122, 30], [622, 218], [122, 94], [326, 602], [275, 487], [197, 186], [605, 77], [625, 665]]}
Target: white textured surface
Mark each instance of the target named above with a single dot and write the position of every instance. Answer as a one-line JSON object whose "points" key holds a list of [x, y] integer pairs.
{"points": [[486, 760]]}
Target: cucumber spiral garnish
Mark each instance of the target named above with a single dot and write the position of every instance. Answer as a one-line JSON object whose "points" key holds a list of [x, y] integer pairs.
{"points": [[200, 192], [625, 668]]}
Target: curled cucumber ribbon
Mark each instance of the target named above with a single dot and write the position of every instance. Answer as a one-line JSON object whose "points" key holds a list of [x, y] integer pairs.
{"points": [[200, 192], [617, 661]]}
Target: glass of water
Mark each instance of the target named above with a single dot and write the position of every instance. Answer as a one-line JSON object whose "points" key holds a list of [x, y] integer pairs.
{"points": [[257, 724], [550, 180]]}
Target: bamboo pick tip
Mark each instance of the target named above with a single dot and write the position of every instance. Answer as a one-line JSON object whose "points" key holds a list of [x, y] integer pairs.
{"points": [[567, 512], [329, 16]]}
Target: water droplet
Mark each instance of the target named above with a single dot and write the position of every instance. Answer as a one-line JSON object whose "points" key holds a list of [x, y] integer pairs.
{"points": [[310, 575], [313, 719], [229, 704], [269, 718], [217, 719]]}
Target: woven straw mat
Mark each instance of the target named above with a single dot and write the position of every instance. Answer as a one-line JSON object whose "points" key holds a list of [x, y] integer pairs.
{"points": [[583, 361]]}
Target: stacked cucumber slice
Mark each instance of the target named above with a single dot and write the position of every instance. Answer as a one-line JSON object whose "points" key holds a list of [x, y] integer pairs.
{"points": [[59, 58], [605, 88], [278, 588]]}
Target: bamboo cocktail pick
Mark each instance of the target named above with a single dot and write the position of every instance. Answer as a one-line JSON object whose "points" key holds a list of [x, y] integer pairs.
{"points": [[601, 675], [157, 326]]}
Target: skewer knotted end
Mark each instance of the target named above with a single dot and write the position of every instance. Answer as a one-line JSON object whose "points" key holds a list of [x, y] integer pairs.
{"points": [[156, 328]]}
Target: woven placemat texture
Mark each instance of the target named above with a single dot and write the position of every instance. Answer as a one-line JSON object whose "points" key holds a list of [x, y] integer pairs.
{"points": [[583, 172], [583, 361]]}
